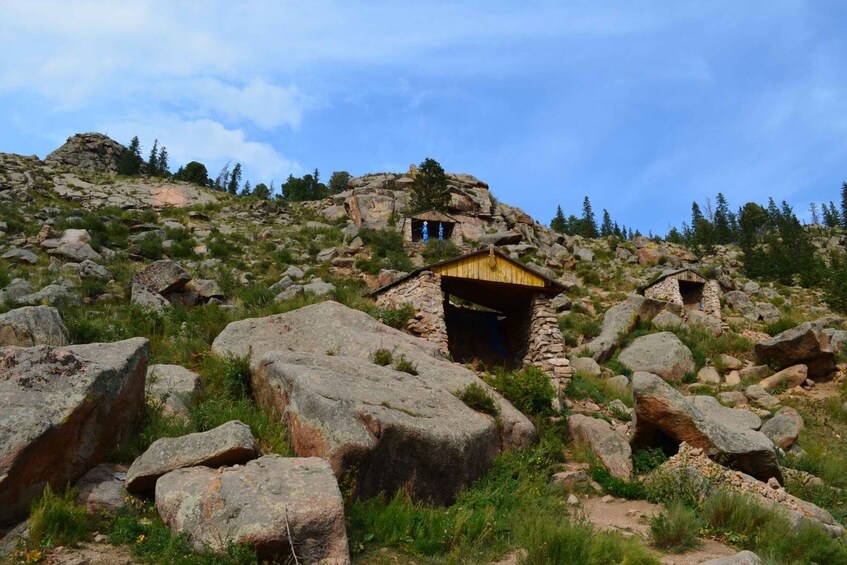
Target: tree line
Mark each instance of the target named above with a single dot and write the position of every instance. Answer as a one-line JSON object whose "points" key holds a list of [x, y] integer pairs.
{"points": [[229, 179], [586, 224]]}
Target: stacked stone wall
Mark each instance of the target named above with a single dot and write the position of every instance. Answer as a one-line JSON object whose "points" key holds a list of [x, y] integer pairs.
{"points": [[667, 290], [423, 292], [545, 347], [712, 299]]}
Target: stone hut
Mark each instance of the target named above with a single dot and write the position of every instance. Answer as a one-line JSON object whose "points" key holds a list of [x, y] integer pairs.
{"points": [[688, 289], [437, 223], [484, 306]]}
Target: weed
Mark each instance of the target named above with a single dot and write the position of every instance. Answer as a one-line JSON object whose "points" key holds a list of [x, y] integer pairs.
{"points": [[529, 389], [56, 519], [437, 250], [476, 397], [150, 247], [405, 365], [382, 357], [396, 317], [648, 459], [631, 490], [676, 528]]}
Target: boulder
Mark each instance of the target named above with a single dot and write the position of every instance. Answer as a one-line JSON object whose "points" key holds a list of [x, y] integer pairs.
{"points": [[738, 301], [21, 255], [668, 320], [259, 504], [88, 269], [790, 377], [708, 375], [18, 288], [391, 428], [501, 238], [806, 344], [730, 362], [754, 372], [32, 325], [64, 408], [784, 428], [172, 386], [102, 489], [663, 415], [77, 252], [231, 443], [714, 410], [604, 442], [52, 294], [289, 293], [767, 312], [162, 277], [319, 288], [93, 151], [585, 366], [741, 558], [148, 300], [206, 289], [661, 353], [618, 321], [711, 323], [760, 397]]}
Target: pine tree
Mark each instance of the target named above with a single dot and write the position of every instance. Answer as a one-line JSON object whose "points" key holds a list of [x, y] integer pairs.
{"points": [[234, 179], [558, 223], [588, 225], [246, 191], [723, 231], [816, 220], [162, 163], [844, 204], [153, 160], [429, 190], [262, 191], [222, 180], [338, 181], [130, 160], [696, 214], [606, 228]]}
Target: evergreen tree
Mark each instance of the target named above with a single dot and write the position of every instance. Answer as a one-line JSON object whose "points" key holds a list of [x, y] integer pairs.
{"points": [[247, 189], [234, 179], [153, 160], [813, 209], [162, 163], [588, 225], [130, 161], [558, 223], [262, 191], [429, 190], [630, 236], [338, 181], [844, 204], [193, 172], [696, 214], [606, 228], [722, 229], [617, 231]]}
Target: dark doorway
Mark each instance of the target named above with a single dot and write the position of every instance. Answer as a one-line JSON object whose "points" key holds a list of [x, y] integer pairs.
{"points": [[692, 294], [432, 229]]}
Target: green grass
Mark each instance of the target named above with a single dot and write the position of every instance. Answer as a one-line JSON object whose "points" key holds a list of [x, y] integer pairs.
{"points": [[704, 345], [676, 528], [56, 519], [528, 389], [597, 389], [404, 365], [382, 357], [476, 397]]}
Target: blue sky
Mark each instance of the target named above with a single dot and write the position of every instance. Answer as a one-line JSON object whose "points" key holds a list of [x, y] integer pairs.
{"points": [[642, 106]]}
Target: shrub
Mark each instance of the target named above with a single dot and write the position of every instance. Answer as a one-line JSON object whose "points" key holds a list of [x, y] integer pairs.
{"points": [[529, 389], [648, 459], [437, 250], [676, 528], [406, 366], [664, 485], [382, 357], [56, 519], [476, 397], [396, 317], [151, 247], [784, 323], [631, 490]]}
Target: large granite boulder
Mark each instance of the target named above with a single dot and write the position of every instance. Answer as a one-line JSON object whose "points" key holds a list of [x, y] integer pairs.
{"points": [[661, 353], [32, 325], [612, 449], [784, 428], [663, 416], [618, 321], [805, 344], [64, 408], [392, 429], [231, 443], [277, 505], [93, 151], [172, 386], [162, 277]]}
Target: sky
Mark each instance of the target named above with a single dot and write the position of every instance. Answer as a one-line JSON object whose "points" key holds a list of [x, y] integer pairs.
{"points": [[642, 106]]}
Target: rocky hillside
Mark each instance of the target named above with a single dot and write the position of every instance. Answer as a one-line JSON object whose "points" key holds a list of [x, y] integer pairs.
{"points": [[211, 374]]}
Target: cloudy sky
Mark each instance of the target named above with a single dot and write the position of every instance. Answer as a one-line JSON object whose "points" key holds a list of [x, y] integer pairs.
{"points": [[642, 106]]}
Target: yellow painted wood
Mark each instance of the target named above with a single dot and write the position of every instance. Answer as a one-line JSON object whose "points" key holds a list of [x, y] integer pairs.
{"points": [[482, 268]]}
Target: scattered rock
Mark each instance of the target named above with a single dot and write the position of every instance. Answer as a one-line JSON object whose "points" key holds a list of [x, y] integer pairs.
{"points": [[784, 428], [64, 409], [289, 293], [736, 417], [730, 362], [258, 504], [661, 353], [18, 288], [161, 277], [709, 375], [605, 443], [570, 478], [754, 372], [789, 378], [668, 320], [101, 489], [206, 289], [663, 414], [32, 325], [22, 255], [319, 288], [77, 252], [172, 386], [88, 269], [149, 300], [741, 558], [585, 366], [760, 397], [228, 444]]}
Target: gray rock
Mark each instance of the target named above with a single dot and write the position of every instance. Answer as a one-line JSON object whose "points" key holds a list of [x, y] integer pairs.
{"points": [[100, 490], [206, 289], [258, 504], [736, 417], [732, 398], [661, 413], [172, 386], [730, 362], [18, 288], [281, 285], [738, 301], [837, 339], [294, 272], [604, 442], [93, 151], [661, 353], [162, 277], [760, 397], [750, 287], [289, 293], [668, 320], [586, 366], [88, 269], [77, 252], [784, 428], [149, 300], [500, 238], [22, 255], [32, 325], [64, 409], [319, 288], [583, 254], [621, 382], [754, 372], [391, 428], [804, 344], [53, 295], [767, 312], [618, 407], [789, 377], [618, 321], [698, 318], [229, 444], [709, 375], [741, 558], [562, 302]]}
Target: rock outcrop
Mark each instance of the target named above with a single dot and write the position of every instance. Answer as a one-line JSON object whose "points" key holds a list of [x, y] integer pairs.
{"points": [[661, 353], [93, 151], [259, 504], [32, 325], [662, 416], [392, 429], [64, 408], [805, 344], [604, 442]]}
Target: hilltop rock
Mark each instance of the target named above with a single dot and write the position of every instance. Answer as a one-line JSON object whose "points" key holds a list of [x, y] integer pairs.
{"points": [[228, 444], [393, 429], [805, 344], [32, 325], [662, 414], [661, 353], [64, 408], [93, 151], [257, 504]]}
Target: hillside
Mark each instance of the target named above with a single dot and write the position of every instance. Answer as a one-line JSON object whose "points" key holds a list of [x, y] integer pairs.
{"points": [[675, 431]]}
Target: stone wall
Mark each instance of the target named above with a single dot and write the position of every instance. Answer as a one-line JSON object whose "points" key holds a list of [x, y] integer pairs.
{"points": [[423, 292], [545, 347], [712, 299], [667, 290]]}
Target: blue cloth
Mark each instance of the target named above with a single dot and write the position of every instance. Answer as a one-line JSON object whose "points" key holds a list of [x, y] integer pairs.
{"points": [[440, 231], [425, 232]]}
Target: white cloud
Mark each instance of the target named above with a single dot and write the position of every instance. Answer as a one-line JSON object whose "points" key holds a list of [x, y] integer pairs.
{"points": [[205, 141]]}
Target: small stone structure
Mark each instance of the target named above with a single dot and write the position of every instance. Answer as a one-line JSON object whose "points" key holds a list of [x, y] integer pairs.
{"points": [[451, 227], [688, 289], [522, 306]]}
